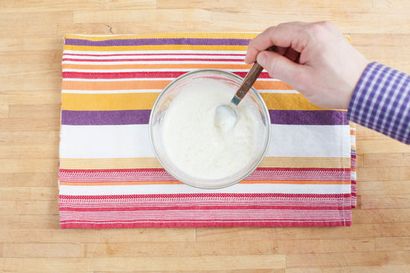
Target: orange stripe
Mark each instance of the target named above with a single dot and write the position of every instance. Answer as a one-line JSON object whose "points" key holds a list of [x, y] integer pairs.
{"points": [[123, 85], [135, 66], [303, 182], [154, 84]]}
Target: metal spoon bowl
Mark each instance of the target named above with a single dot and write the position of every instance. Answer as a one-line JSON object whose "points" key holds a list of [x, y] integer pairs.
{"points": [[226, 115]]}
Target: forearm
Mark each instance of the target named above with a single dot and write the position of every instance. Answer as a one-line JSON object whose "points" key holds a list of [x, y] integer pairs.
{"points": [[381, 101]]}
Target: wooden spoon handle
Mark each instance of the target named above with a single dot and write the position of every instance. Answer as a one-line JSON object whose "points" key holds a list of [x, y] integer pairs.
{"points": [[249, 80]]}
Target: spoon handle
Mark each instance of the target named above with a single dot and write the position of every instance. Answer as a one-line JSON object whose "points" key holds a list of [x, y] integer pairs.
{"points": [[249, 80]]}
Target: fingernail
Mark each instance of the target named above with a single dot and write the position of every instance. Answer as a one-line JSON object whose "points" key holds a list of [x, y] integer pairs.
{"points": [[261, 58]]}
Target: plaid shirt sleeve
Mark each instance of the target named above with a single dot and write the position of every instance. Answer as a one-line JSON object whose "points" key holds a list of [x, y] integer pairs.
{"points": [[381, 101]]}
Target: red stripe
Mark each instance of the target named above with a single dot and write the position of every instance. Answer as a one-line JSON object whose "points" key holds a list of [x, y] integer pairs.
{"points": [[125, 75], [187, 220], [205, 208], [73, 224], [149, 59], [195, 195], [70, 175]]}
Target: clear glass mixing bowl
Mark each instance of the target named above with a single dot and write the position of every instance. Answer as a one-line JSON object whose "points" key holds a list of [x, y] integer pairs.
{"points": [[159, 111]]}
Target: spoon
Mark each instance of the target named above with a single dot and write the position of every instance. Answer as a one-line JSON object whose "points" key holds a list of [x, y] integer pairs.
{"points": [[226, 115]]}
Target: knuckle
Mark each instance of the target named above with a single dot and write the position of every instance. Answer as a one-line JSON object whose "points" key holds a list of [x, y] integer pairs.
{"points": [[272, 67], [282, 24], [315, 28], [271, 29], [253, 46], [328, 25], [252, 43], [319, 29], [291, 23]]}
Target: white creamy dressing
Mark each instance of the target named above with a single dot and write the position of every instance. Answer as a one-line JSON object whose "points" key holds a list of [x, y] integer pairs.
{"points": [[201, 147]]}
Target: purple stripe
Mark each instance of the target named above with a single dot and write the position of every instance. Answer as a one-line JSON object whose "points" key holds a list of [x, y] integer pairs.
{"points": [[173, 41], [121, 117], [291, 117], [299, 117]]}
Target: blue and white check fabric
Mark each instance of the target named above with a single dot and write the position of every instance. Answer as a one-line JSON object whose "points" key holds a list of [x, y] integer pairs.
{"points": [[381, 101]]}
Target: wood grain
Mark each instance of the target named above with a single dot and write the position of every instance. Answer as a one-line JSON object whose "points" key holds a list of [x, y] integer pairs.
{"points": [[30, 239]]}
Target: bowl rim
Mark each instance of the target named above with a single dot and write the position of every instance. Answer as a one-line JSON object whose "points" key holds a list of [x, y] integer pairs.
{"points": [[235, 77]]}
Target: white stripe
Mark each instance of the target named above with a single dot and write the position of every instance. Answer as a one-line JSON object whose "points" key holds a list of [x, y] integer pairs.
{"points": [[142, 56], [105, 141], [309, 140], [353, 175], [122, 141], [180, 188], [184, 51], [67, 91], [153, 62]]}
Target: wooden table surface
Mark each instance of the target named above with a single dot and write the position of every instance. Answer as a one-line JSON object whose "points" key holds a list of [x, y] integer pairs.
{"points": [[31, 34]]}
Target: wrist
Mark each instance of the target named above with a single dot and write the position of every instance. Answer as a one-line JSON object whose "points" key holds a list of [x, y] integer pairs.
{"points": [[356, 73]]}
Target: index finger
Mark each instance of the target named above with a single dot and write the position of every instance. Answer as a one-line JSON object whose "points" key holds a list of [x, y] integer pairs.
{"points": [[283, 35]]}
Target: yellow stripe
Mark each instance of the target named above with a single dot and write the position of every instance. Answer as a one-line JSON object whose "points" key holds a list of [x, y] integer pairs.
{"points": [[150, 162], [287, 102], [145, 101], [221, 35], [128, 101], [156, 47]]}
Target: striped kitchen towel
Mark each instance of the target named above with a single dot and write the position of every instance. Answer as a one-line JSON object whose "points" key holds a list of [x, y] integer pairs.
{"points": [[109, 178]]}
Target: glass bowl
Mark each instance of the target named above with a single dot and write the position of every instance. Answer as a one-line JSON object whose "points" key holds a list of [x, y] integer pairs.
{"points": [[159, 111]]}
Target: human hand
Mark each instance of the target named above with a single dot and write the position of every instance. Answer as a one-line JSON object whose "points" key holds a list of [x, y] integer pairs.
{"points": [[315, 58]]}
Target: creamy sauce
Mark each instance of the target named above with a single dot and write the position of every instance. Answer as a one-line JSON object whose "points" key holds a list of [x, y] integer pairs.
{"points": [[202, 147]]}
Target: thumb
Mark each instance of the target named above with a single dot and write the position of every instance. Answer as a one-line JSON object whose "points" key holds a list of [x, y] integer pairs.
{"points": [[280, 67]]}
